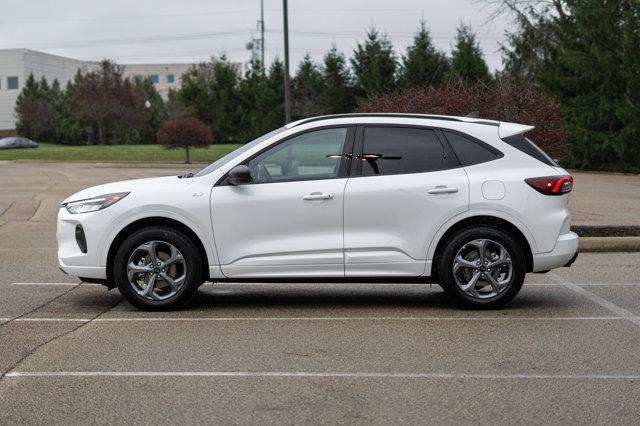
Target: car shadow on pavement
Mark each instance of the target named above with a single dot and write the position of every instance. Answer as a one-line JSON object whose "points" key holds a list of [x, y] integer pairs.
{"points": [[265, 296]]}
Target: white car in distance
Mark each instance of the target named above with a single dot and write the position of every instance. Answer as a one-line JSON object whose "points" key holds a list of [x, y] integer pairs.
{"points": [[470, 204]]}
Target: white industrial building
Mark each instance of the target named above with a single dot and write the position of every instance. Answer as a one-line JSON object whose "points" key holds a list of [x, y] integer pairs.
{"points": [[15, 67], [17, 64], [163, 76]]}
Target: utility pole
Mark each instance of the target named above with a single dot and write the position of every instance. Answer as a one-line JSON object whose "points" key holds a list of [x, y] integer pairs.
{"points": [[262, 33], [287, 94]]}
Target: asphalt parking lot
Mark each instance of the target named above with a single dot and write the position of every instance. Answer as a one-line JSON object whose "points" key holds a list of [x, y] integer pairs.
{"points": [[567, 350]]}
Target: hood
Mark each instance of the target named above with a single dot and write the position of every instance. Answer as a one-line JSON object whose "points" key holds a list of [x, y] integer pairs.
{"points": [[127, 186]]}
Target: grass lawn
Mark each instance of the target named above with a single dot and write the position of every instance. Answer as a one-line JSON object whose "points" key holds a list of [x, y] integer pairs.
{"points": [[55, 152]]}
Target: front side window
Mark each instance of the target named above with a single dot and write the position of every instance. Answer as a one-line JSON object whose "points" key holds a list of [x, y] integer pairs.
{"points": [[12, 83], [400, 150], [309, 156]]}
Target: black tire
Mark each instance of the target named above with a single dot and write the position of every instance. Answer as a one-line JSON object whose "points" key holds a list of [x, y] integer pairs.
{"points": [[192, 278], [464, 237]]}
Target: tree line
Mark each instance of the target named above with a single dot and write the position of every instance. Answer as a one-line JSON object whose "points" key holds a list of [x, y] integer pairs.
{"points": [[578, 60], [100, 106]]}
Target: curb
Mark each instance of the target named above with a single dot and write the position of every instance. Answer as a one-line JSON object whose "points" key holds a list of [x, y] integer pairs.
{"points": [[609, 244]]}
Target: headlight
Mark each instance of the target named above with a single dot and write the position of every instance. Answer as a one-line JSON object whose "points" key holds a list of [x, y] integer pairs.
{"points": [[94, 204]]}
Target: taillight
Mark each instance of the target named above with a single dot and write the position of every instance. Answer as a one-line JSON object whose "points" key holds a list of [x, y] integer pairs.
{"points": [[551, 185]]}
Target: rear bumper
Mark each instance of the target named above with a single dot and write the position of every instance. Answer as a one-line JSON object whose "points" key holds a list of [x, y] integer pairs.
{"points": [[563, 254]]}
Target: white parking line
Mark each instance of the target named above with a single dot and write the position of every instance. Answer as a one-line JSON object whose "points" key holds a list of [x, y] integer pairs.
{"points": [[52, 320], [54, 284], [583, 284], [611, 307], [334, 375], [48, 284]]}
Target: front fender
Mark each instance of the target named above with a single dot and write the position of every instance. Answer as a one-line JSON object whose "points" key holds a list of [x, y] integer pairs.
{"points": [[199, 227]]}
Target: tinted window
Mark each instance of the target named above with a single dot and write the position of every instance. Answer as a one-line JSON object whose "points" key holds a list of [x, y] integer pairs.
{"points": [[528, 147], [469, 151], [397, 150], [312, 155]]}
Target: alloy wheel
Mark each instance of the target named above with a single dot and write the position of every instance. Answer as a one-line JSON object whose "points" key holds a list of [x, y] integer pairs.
{"points": [[483, 268], [156, 270]]}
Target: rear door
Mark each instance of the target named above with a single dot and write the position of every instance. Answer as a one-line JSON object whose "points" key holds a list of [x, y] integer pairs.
{"points": [[407, 184]]}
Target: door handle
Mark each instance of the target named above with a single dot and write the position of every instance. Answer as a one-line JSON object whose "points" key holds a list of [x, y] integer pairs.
{"points": [[317, 196], [441, 189]]}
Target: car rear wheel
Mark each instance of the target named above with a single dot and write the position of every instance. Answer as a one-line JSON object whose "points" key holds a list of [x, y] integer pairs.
{"points": [[482, 267], [157, 268]]}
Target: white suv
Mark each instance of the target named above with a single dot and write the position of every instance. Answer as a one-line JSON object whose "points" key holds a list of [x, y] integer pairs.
{"points": [[470, 204]]}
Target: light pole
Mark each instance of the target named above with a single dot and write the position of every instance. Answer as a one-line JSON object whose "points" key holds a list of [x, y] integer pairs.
{"points": [[262, 32], [287, 94]]}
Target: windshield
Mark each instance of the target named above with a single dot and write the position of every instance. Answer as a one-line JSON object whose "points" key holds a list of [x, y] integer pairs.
{"points": [[233, 154]]}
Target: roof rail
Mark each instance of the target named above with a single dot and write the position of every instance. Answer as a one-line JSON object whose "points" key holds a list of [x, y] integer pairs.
{"points": [[393, 115]]}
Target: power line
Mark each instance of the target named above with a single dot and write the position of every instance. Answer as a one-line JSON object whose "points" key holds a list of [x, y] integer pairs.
{"points": [[128, 40]]}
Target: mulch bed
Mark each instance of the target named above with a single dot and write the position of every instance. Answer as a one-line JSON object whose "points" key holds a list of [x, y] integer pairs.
{"points": [[607, 231]]}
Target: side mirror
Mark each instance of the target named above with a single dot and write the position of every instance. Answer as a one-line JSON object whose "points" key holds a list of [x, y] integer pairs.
{"points": [[239, 175]]}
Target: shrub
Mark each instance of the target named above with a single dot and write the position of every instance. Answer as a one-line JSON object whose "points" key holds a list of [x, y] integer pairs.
{"points": [[185, 132], [503, 100]]}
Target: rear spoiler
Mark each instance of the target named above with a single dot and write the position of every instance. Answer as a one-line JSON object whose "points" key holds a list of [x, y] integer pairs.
{"points": [[511, 129]]}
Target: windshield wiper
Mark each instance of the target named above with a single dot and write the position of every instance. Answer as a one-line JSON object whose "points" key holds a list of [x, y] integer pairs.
{"points": [[186, 175]]}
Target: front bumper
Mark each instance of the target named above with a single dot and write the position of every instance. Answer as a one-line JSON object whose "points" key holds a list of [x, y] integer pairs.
{"points": [[563, 254], [74, 259]]}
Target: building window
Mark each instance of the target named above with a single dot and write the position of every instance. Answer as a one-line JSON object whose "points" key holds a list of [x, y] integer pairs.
{"points": [[171, 78], [138, 78], [12, 83], [154, 78]]}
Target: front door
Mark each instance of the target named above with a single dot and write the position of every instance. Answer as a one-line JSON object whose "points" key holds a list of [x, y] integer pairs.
{"points": [[288, 221], [407, 184]]}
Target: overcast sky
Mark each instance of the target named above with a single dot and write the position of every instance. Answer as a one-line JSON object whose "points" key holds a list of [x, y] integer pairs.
{"points": [[155, 31]]}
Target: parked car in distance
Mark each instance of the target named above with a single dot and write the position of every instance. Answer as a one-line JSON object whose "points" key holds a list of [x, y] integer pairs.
{"points": [[14, 142], [470, 204]]}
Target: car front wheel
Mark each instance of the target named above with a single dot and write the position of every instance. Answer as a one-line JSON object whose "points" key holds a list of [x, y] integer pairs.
{"points": [[157, 268], [482, 267]]}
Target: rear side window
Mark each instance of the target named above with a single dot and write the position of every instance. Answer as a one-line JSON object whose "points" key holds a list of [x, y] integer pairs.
{"points": [[525, 145], [470, 151], [400, 150]]}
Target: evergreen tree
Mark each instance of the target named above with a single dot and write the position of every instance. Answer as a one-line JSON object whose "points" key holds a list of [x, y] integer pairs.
{"points": [[175, 107], [423, 65], [211, 91], [28, 108], [374, 65], [586, 55], [155, 114], [35, 110], [262, 100], [467, 61], [593, 72], [307, 90], [337, 81], [68, 129]]}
